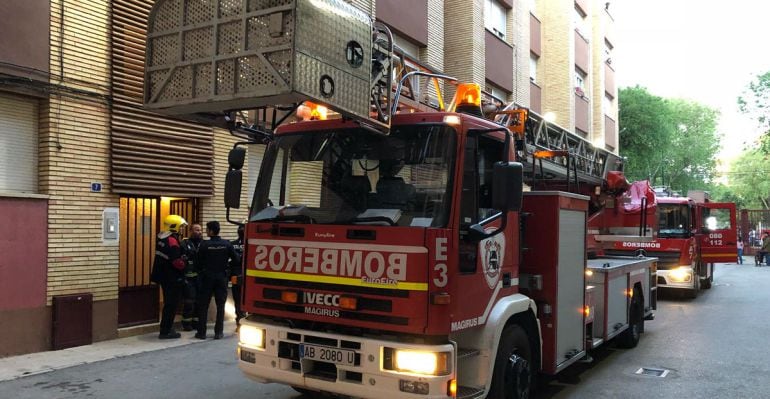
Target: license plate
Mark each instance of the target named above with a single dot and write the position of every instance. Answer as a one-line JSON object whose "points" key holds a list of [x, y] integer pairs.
{"points": [[327, 354]]}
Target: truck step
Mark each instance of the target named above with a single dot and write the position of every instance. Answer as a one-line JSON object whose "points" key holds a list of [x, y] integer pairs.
{"points": [[596, 342], [464, 392], [463, 353]]}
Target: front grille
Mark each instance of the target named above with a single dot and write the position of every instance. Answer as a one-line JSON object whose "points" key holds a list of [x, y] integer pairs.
{"points": [[368, 317], [332, 287], [364, 303]]}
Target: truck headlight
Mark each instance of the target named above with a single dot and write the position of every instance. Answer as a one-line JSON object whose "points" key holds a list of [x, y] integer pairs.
{"points": [[681, 274], [252, 336], [418, 362]]}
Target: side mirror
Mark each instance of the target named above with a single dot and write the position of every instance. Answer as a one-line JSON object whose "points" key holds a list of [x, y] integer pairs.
{"points": [[233, 181], [507, 186], [236, 158]]}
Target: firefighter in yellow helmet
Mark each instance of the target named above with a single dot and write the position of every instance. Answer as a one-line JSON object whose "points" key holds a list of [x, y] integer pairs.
{"points": [[168, 271]]}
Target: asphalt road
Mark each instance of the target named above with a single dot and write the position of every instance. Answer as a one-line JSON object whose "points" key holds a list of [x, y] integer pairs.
{"points": [[715, 346]]}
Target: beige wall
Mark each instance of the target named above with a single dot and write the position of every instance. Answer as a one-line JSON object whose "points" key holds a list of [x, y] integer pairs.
{"points": [[73, 152], [518, 24], [603, 25], [464, 40], [557, 62]]}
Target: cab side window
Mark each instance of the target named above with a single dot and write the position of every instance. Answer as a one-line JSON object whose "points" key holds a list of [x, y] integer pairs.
{"points": [[481, 154]]}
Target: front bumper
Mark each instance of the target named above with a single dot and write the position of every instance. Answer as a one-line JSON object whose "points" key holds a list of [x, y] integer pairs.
{"points": [[672, 279], [279, 362]]}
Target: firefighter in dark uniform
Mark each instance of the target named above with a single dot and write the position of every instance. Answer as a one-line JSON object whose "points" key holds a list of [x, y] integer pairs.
{"points": [[214, 258], [191, 287], [168, 271], [236, 279]]}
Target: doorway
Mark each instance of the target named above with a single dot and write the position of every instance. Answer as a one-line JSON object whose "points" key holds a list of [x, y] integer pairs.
{"points": [[139, 300]]}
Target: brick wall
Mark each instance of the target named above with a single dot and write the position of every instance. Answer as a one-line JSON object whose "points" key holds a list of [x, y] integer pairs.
{"points": [[464, 40], [603, 132], [557, 63], [74, 151]]}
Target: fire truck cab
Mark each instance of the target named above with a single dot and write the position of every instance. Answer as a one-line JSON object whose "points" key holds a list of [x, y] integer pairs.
{"points": [[690, 235]]}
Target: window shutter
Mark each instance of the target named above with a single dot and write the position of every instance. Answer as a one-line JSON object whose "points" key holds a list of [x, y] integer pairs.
{"points": [[18, 144], [151, 154]]}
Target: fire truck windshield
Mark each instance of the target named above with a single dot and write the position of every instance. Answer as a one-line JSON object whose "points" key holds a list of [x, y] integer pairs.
{"points": [[353, 176], [673, 221]]}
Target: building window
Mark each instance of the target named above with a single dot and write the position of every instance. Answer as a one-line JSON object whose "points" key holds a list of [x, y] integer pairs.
{"points": [[495, 18], [497, 92], [533, 59], [607, 52], [580, 22], [580, 83], [607, 105], [19, 138]]}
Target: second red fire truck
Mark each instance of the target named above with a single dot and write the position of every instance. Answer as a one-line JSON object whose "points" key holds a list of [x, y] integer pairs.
{"points": [[392, 250], [689, 234]]}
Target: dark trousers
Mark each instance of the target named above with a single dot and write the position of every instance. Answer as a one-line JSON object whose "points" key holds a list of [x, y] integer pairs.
{"points": [[236, 289], [216, 286], [189, 297], [171, 294]]}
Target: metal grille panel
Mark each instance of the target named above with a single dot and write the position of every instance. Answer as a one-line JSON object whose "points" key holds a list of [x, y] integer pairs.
{"points": [[249, 54]]}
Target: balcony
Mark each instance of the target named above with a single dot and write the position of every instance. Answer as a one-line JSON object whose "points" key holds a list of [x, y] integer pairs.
{"points": [[610, 132], [609, 80], [24, 39], [535, 37], [535, 98], [581, 114], [581, 52], [411, 22], [498, 67]]}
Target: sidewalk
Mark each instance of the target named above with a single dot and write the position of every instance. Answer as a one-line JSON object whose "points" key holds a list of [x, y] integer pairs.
{"points": [[43, 362]]}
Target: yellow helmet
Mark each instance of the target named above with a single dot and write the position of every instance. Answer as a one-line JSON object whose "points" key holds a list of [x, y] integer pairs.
{"points": [[173, 223]]}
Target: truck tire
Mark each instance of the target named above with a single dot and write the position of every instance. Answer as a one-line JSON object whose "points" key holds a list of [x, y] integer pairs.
{"points": [[706, 282], [630, 337], [513, 376]]}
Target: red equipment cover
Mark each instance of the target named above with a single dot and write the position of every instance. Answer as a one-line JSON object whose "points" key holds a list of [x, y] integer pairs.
{"points": [[616, 182], [632, 199]]}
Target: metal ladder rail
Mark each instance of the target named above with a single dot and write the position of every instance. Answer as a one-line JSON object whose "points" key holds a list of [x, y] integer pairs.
{"points": [[593, 163]]}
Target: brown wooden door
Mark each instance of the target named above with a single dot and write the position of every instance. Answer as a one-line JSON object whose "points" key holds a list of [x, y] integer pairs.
{"points": [[138, 298]]}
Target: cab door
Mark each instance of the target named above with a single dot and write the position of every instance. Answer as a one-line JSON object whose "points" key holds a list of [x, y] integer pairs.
{"points": [[717, 225]]}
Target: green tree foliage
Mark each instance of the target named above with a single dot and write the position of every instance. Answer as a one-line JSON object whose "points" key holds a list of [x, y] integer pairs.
{"points": [[749, 186], [671, 142], [755, 102]]}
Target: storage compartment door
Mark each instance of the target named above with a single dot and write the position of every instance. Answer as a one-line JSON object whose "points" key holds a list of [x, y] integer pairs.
{"points": [[570, 338]]}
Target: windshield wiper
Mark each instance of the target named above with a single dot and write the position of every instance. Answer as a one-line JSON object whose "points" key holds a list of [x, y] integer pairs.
{"points": [[289, 218], [371, 219]]}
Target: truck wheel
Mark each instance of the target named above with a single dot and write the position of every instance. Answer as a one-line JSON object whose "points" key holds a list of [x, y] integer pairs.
{"points": [[706, 283], [513, 376], [630, 337]]}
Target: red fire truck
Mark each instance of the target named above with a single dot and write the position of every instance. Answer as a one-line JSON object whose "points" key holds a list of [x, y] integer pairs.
{"points": [[391, 248], [690, 235]]}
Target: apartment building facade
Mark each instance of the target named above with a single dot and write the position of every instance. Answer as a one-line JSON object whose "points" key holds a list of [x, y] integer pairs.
{"points": [[87, 174]]}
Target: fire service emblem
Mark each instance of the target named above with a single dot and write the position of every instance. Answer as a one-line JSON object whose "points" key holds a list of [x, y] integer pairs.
{"points": [[492, 250]]}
